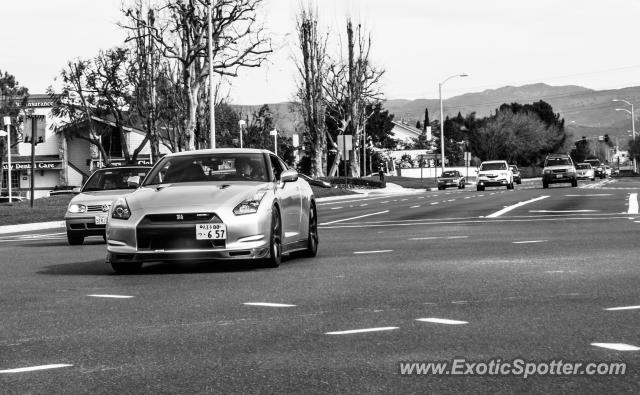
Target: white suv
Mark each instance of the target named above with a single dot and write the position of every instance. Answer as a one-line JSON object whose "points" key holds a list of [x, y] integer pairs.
{"points": [[494, 173]]}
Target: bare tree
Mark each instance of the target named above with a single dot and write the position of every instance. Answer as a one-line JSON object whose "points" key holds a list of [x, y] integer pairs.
{"points": [[181, 34], [351, 86], [311, 69]]}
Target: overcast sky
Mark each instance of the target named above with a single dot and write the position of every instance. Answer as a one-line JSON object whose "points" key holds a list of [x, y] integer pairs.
{"points": [[418, 42]]}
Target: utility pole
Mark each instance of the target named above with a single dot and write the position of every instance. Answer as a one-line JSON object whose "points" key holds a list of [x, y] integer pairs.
{"points": [[7, 123]]}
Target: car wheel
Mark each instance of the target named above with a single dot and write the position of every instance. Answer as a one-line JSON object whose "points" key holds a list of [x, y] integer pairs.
{"points": [[593, 179], [480, 189], [545, 185], [75, 240], [519, 182], [574, 183], [123, 267], [312, 239], [510, 186], [275, 243]]}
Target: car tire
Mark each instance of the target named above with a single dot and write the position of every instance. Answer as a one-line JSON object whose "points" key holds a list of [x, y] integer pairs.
{"points": [[480, 189], [574, 183], [545, 185], [312, 238], [519, 182], [75, 240], [123, 267], [510, 186], [593, 179], [275, 240]]}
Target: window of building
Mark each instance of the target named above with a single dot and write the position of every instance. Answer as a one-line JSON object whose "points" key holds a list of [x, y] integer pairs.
{"points": [[15, 179]]}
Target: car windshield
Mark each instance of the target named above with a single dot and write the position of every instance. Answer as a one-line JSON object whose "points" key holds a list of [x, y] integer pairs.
{"points": [[113, 178], [513, 168], [558, 162], [209, 168], [583, 166], [450, 174], [493, 166]]}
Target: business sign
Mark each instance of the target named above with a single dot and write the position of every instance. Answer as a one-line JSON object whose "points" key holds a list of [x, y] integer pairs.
{"points": [[40, 165], [121, 162]]}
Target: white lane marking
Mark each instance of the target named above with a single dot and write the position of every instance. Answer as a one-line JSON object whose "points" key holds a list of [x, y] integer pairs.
{"points": [[403, 200], [434, 203], [265, 304], [359, 216], [560, 271], [110, 296], [617, 346], [364, 204], [633, 204], [385, 328], [415, 206], [529, 241], [438, 237], [451, 200], [372, 252], [386, 201], [467, 197], [336, 208], [33, 368], [420, 197], [442, 321], [623, 308], [562, 211], [514, 206], [590, 195]]}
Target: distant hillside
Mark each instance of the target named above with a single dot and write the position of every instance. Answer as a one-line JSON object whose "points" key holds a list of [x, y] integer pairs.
{"points": [[587, 112]]}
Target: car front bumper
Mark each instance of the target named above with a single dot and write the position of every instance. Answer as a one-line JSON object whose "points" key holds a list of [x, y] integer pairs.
{"points": [[555, 178], [84, 225], [492, 182]]}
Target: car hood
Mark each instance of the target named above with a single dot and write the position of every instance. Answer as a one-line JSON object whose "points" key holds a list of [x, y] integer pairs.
{"points": [[99, 197], [193, 195], [491, 172]]}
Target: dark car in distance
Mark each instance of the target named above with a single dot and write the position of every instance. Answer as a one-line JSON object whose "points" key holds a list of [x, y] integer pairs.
{"points": [[517, 178], [451, 178]]}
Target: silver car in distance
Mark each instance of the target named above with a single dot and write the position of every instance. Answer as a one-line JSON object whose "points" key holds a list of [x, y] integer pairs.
{"points": [[220, 204]]}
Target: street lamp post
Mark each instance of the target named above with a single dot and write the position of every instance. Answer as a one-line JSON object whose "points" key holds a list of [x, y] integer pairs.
{"points": [[212, 101], [633, 125], [442, 116], [274, 133], [241, 123]]}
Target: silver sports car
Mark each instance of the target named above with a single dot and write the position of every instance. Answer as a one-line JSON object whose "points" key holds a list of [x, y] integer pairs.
{"points": [[222, 204]]}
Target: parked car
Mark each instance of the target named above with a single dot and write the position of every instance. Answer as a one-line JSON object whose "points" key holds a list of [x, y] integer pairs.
{"points": [[607, 171], [14, 198], [494, 173], [88, 211], [516, 174], [584, 171], [315, 181], [221, 204], [451, 178], [558, 168], [598, 168]]}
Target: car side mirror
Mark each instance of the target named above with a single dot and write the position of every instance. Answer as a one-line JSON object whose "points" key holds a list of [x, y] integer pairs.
{"points": [[76, 190], [289, 175], [133, 181]]}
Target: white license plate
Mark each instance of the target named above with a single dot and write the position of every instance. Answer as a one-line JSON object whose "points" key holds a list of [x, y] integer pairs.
{"points": [[100, 219], [211, 232], [559, 176]]}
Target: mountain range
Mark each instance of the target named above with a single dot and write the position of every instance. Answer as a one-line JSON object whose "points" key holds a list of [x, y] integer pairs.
{"points": [[586, 112]]}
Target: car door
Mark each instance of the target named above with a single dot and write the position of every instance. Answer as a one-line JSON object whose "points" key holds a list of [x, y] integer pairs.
{"points": [[289, 195]]}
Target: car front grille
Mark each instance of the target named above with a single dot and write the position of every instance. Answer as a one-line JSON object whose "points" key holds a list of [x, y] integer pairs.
{"points": [[97, 207], [560, 170], [175, 232]]}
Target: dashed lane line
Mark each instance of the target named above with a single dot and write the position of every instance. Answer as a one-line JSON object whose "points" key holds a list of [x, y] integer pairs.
{"points": [[265, 304], [372, 252], [34, 368], [617, 346], [529, 241], [352, 331], [514, 206], [359, 216], [623, 308], [442, 321], [438, 237], [111, 296]]}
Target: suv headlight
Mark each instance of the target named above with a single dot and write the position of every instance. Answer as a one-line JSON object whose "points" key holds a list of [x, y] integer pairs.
{"points": [[571, 170], [77, 208], [547, 171], [121, 209], [250, 206]]}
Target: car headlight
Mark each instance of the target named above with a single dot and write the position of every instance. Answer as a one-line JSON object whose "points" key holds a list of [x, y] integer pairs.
{"points": [[547, 172], [121, 209], [77, 208], [571, 170], [250, 206]]}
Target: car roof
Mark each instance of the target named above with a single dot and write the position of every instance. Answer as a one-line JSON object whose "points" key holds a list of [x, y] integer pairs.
{"points": [[495, 161], [220, 151], [123, 167]]}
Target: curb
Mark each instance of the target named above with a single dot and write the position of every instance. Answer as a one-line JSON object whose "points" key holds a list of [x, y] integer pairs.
{"points": [[32, 226]]}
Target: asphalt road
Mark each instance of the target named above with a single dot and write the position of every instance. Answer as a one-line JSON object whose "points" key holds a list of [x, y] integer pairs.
{"points": [[524, 274]]}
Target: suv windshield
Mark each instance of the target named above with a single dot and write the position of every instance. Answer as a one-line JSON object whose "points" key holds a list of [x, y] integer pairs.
{"points": [[583, 166], [449, 174], [493, 166], [558, 162], [113, 178], [209, 167]]}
